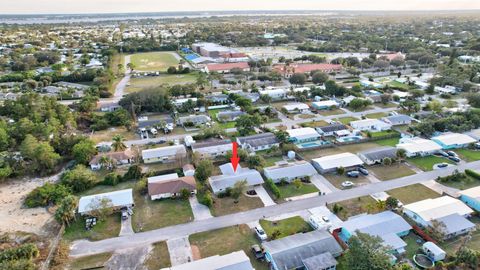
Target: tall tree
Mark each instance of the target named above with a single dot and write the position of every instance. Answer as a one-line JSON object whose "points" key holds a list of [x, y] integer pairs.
{"points": [[366, 252], [65, 212], [118, 143]]}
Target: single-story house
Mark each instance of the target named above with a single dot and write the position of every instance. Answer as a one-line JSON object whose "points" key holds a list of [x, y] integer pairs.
{"points": [[296, 107], [116, 158], [200, 119], [453, 140], [471, 197], [331, 163], [164, 154], [258, 142], [221, 183], [168, 188], [376, 155], [237, 260], [300, 250], [325, 104], [386, 225], [300, 135], [117, 199], [109, 107], [229, 116], [398, 120], [289, 171], [254, 97], [217, 98], [451, 212], [332, 129], [188, 170], [418, 146], [162, 177], [275, 94], [370, 125], [212, 148], [180, 101]]}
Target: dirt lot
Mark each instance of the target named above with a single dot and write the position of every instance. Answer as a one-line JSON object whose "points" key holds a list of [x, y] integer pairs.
{"points": [[14, 217]]}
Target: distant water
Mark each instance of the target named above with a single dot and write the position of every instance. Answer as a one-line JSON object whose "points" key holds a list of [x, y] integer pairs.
{"points": [[91, 18]]}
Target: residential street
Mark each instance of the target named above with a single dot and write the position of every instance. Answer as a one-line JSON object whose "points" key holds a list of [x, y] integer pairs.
{"points": [[84, 247]]}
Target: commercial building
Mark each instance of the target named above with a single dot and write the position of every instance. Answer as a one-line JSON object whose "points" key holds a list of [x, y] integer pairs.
{"points": [[227, 67], [333, 162]]}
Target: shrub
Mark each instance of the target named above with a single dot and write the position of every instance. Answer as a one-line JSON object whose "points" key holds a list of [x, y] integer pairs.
{"points": [[46, 194], [112, 179], [23, 252], [133, 173], [472, 174], [273, 188], [207, 199]]}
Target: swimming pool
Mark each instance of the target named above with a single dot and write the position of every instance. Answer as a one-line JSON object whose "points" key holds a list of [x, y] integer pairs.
{"points": [[349, 139], [312, 144]]}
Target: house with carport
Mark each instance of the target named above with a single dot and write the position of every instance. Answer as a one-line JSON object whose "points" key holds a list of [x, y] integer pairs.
{"points": [[417, 146], [331, 163], [453, 140], [229, 177], [378, 154]]}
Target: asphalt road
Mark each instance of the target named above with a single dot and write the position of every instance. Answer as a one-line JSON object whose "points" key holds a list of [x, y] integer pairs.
{"points": [[84, 247]]}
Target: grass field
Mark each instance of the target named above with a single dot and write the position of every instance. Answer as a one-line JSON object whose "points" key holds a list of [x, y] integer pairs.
{"points": [[468, 154], [412, 245], [413, 193], [383, 133], [376, 115], [466, 183], [139, 84], [285, 227], [159, 257], [426, 163], [106, 135], [346, 120], [398, 85], [226, 240], [393, 171], [149, 215], [108, 228], [227, 205], [388, 142], [270, 161], [154, 61], [353, 207], [291, 190], [331, 112], [315, 124], [90, 262], [352, 148], [337, 180]]}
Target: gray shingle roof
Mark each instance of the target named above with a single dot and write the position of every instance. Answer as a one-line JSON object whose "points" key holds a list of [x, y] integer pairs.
{"points": [[397, 119], [455, 223], [289, 252], [320, 262], [332, 128], [259, 139], [380, 153]]}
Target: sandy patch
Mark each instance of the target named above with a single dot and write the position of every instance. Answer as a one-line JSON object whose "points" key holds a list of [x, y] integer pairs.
{"points": [[196, 252]]}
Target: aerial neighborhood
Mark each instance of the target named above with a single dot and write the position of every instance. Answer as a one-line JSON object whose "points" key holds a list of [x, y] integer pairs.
{"points": [[240, 141]]}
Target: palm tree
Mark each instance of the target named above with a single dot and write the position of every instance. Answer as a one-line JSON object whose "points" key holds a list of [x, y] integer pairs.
{"points": [[105, 162], [401, 154], [65, 213], [118, 143]]}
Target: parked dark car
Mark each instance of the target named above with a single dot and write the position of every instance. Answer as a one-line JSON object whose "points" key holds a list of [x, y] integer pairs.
{"points": [[455, 159], [452, 154], [353, 174], [442, 165], [258, 252], [363, 171]]}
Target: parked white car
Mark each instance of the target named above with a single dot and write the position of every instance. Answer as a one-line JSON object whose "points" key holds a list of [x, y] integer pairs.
{"points": [[260, 233]]}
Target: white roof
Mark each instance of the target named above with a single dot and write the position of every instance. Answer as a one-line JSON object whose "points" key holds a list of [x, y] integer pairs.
{"points": [[416, 145], [237, 260], [339, 160], [295, 106], [303, 133], [163, 151], [472, 192], [432, 209], [164, 177], [454, 138], [290, 170], [229, 177], [368, 123], [118, 198], [433, 248], [325, 103]]}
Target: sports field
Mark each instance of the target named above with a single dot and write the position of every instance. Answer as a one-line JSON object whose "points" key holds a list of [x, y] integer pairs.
{"points": [[154, 61]]}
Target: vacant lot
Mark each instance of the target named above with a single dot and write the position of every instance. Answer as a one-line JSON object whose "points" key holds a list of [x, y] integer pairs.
{"points": [[462, 184], [376, 115], [290, 190], [346, 120], [331, 112], [90, 262], [106, 135], [353, 207], [285, 227], [337, 180], [426, 163], [352, 148], [149, 215], [468, 154], [108, 228], [224, 241], [388, 142], [227, 205], [393, 171], [413, 193], [139, 84], [154, 61], [159, 257], [315, 124]]}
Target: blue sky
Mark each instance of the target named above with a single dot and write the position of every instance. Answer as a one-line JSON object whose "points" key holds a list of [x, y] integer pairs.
{"points": [[112, 6]]}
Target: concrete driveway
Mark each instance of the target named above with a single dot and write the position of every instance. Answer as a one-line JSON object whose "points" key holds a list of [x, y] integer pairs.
{"points": [[180, 251], [200, 211], [129, 259], [126, 227], [322, 184], [263, 194]]}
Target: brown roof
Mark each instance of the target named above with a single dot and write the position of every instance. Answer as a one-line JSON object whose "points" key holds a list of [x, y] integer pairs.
{"points": [[116, 156], [172, 186]]}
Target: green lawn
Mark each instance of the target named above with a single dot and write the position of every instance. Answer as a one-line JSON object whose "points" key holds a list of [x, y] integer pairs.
{"points": [[393, 171], [426, 163], [398, 85], [468, 154], [413, 193], [154, 61], [466, 183], [376, 115], [227, 205], [108, 228], [315, 124], [346, 120], [149, 215], [383, 133], [353, 207], [227, 124], [331, 112], [224, 241], [412, 245], [270, 161], [139, 84], [159, 257], [388, 142], [290, 190], [90, 262], [285, 227]]}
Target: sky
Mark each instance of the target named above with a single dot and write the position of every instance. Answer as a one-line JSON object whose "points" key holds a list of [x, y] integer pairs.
{"points": [[124, 6]]}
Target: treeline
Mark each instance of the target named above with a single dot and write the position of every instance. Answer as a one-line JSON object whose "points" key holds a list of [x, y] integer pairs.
{"points": [[457, 122]]}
